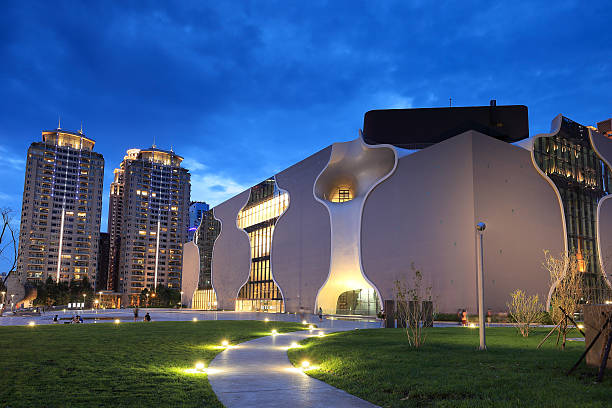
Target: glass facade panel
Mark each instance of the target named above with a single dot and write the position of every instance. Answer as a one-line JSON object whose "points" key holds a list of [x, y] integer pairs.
{"points": [[358, 302], [257, 218], [205, 238], [582, 179]]}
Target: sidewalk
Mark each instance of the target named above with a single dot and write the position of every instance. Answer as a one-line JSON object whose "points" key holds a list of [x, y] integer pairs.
{"points": [[258, 374]]}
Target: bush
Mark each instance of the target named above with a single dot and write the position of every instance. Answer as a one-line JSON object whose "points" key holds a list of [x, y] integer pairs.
{"points": [[447, 317], [524, 310]]}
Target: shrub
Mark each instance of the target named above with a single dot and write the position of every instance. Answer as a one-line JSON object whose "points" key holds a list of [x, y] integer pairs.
{"points": [[566, 281], [414, 307], [524, 311]]}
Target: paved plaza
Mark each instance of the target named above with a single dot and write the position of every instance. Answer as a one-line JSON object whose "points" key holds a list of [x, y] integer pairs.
{"points": [[168, 315]]}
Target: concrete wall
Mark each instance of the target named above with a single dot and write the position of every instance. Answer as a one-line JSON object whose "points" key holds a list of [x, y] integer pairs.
{"points": [[231, 262], [190, 272], [301, 242], [523, 217], [603, 147], [423, 214], [426, 212]]}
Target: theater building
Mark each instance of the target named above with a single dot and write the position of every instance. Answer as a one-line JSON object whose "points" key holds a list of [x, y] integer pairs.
{"points": [[339, 228]]}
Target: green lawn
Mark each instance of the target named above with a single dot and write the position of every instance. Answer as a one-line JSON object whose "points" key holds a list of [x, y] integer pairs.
{"points": [[377, 365], [103, 364]]}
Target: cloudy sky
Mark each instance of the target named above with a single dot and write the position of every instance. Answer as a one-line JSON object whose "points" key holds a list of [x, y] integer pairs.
{"points": [[244, 89]]}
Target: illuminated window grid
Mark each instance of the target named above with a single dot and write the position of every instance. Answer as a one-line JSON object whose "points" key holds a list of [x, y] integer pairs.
{"points": [[260, 292], [264, 211], [341, 194], [582, 179]]}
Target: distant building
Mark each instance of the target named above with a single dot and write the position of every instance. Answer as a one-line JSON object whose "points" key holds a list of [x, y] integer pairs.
{"points": [[196, 210], [605, 127], [115, 220], [61, 209], [148, 218], [103, 259]]}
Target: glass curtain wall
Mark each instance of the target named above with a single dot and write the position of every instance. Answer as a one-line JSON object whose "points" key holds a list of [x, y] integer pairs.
{"points": [[358, 302], [257, 218], [204, 238], [582, 179]]}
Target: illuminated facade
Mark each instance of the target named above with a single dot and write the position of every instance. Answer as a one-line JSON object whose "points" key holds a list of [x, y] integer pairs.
{"points": [[61, 210], [337, 230], [257, 219], [582, 180], [148, 218]]}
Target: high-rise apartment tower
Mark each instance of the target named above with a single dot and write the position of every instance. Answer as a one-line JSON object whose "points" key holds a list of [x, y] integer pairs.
{"points": [[148, 219], [61, 209]]}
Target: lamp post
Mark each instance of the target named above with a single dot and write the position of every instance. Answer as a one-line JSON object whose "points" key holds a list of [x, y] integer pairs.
{"points": [[3, 297], [100, 300], [181, 299], [83, 308], [12, 302], [480, 227], [147, 300]]}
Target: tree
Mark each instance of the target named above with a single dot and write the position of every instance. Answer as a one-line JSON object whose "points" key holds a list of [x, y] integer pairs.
{"points": [[524, 310], [8, 246], [51, 293], [567, 289], [414, 307], [162, 296]]}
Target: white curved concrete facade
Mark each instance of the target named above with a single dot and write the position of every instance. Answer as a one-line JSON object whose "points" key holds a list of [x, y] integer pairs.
{"points": [[301, 246], [603, 147], [417, 209], [191, 272], [360, 168], [231, 261]]}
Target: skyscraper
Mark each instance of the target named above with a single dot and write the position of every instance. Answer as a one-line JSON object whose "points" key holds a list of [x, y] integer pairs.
{"points": [[148, 218], [61, 209], [103, 258]]}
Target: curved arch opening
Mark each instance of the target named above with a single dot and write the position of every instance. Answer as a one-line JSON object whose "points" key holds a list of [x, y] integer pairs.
{"points": [[354, 169]]}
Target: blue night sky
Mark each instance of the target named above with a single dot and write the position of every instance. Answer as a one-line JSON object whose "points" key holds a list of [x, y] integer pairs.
{"points": [[245, 89]]}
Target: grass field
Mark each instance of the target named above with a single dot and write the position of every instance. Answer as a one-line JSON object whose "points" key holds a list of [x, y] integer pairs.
{"points": [[377, 365], [129, 364]]}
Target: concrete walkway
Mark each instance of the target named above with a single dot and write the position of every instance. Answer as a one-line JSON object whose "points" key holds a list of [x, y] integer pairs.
{"points": [[258, 373]]}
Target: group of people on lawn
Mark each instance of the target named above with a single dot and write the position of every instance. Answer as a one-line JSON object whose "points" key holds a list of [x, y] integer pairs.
{"points": [[463, 317], [147, 317]]}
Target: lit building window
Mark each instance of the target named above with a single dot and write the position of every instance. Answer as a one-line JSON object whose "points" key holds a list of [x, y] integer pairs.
{"points": [[341, 194], [257, 218]]}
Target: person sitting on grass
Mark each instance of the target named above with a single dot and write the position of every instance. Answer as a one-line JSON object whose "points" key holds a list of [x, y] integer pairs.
{"points": [[147, 317]]}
